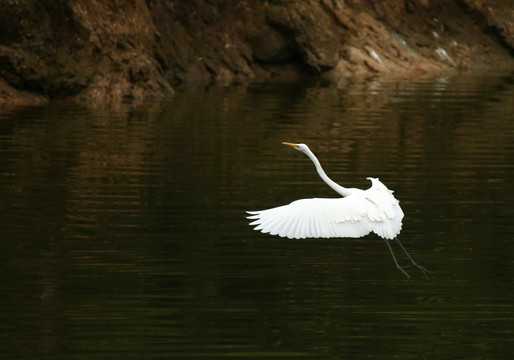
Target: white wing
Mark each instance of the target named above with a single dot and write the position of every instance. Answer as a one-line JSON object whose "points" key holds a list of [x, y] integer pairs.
{"points": [[353, 216], [386, 213]]}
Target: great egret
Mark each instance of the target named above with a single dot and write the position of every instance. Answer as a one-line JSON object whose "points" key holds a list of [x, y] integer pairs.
{"points": [[356, 214]]}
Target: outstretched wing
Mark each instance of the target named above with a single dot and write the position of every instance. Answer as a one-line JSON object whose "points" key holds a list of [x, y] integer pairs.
{"points": [[314, 218], [353, 216]]}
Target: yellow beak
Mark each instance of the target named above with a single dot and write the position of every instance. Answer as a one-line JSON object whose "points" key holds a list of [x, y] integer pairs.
{"points": [[289, 144]]}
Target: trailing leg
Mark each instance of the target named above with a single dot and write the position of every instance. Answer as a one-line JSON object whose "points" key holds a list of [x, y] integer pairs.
{"points": [[396, 261], [419, 267]]}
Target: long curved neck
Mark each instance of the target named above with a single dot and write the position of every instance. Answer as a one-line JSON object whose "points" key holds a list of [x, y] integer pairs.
{"points": [[337, 188]]}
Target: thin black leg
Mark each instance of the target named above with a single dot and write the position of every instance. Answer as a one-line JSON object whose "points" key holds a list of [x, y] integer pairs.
{"points": [[396, 261], [419, 267]]}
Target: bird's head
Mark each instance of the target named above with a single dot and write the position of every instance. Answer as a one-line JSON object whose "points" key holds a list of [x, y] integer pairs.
{"points": [[300, 147]]}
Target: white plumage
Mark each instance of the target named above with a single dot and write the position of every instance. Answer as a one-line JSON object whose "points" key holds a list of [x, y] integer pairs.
{"points": [[356, 214], [352, 216]]}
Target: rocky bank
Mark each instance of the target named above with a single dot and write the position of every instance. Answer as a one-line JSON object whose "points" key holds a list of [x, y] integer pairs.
{"points": [[118, 50]]}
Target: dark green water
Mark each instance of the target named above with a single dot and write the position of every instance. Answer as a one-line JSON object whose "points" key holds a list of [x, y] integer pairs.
{"points": [[123, 233]]}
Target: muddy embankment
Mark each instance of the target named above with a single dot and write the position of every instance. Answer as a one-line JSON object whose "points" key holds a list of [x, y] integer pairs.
{"points": [[116, 50]]}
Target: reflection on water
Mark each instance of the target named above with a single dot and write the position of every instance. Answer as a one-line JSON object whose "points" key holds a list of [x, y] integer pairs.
{"points": [[123, 230]]}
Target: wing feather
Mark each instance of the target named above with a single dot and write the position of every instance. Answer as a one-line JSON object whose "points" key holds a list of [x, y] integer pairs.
{"points": [[312, 218]]}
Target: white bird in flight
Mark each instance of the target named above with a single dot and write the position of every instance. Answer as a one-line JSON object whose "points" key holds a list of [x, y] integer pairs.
{"points": [[356, 214]]}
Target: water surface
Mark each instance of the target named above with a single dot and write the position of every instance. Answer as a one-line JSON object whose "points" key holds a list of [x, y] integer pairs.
{"points": [[124, 237]]}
